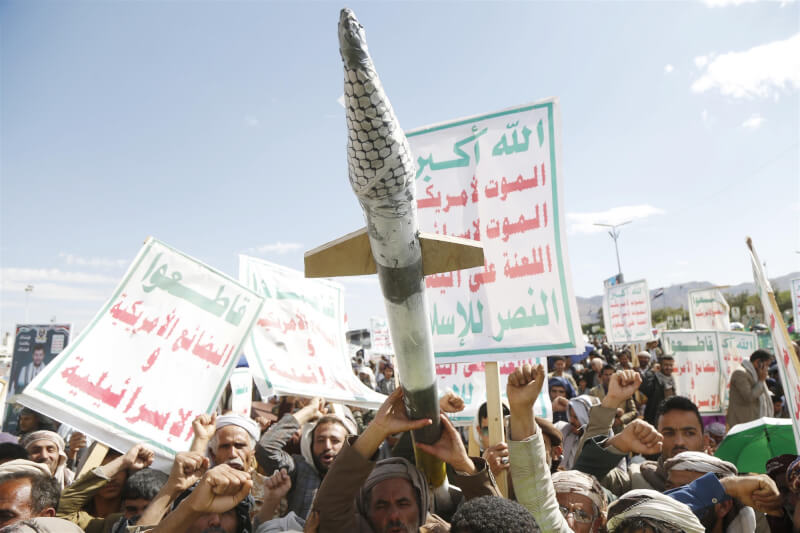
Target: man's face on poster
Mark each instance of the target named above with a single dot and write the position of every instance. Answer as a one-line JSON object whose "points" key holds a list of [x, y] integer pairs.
{"points": [[38, 357]]}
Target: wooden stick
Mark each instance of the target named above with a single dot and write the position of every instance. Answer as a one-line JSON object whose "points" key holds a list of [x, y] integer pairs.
{"points": [[494, 409], [94, 458], [473, 449]]}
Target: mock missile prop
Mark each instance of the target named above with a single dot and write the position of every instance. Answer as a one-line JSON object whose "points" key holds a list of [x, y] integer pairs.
{"points": [[382, 173]]}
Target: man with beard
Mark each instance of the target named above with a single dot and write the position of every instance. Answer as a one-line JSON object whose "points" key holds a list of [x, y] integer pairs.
{"points": [[391, 496], [320, 443], [749, 395], [233, 442], [32, 369], [47, 447], [678, 421]]}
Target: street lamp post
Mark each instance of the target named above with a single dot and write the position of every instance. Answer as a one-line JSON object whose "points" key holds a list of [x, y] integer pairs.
{"points": [[28, 291], [614, 233]]}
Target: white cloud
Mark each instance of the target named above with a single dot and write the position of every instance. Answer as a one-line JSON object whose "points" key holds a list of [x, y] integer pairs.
{"points": [[279, 248], [668, 68], [584, 222], [340, 100], [754, 122], [72, 259], [762, 71], [252, 121], [701, 61]]}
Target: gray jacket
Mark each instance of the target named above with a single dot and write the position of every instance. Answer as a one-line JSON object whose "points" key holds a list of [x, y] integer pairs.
{"points": [[271, 457]]}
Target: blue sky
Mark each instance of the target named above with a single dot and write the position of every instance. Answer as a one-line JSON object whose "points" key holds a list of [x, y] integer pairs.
{"points": [[216, 128]]}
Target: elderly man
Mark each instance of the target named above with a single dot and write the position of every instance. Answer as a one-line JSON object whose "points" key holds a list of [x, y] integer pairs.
{"points": [[320, 443], [644, 362], [723, 516], [749, 395], [234, 441], [47, 447], [27, 490], [359, 495]]}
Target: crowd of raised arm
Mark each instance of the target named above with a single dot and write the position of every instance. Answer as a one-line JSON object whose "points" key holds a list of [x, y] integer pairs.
{"points": [[607, 462]]}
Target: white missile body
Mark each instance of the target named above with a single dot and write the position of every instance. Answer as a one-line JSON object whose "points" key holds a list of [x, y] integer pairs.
{"points": [[382, 173]]}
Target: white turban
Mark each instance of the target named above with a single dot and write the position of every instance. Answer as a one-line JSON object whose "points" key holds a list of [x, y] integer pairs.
{"points": [[248, 424], [644, 354], [24, 466], [649, 504], [700, 462], [579, 483], [62, 474]]}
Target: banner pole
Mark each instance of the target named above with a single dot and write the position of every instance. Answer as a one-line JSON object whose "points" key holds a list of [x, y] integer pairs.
{"points": [[494, 410]]}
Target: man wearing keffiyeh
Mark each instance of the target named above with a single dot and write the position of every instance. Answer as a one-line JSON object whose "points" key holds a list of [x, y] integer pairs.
{"points": [[47, 447], [728, 515]]}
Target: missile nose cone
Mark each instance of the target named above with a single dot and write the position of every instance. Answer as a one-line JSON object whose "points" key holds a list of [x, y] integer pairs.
{"points": [[352, 41]]}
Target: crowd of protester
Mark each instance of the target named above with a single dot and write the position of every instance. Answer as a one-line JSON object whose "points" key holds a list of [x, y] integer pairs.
{"points": [[623, 453]]}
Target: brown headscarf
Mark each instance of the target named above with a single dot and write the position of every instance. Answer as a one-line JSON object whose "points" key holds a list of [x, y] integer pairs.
{"points": [[396, 467]]}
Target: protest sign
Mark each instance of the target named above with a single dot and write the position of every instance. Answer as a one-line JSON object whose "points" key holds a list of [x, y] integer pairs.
{"points": [[697, 367], [796, 303], [626, 313], [35, 345], [241, 382], [157, 354], [786, 357], [379, 336], [298, 346], [734, 347], [497, 178], [708, 310], [468, 382]]}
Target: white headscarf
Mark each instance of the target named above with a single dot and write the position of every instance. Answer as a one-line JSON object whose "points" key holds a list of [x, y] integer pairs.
{"points": [[63, 475], [647, 503], [24, 466], [700, 462], [305, 434], [248, 424], [582, 405]]}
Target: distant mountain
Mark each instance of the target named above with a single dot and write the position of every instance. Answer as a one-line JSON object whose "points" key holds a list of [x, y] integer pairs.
{"points": [[677, 295]]}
